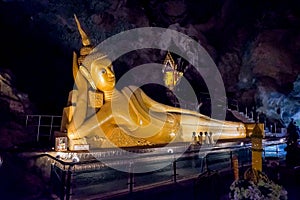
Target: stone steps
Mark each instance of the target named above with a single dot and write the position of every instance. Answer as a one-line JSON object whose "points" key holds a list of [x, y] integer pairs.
{"points": [[241, 116]]}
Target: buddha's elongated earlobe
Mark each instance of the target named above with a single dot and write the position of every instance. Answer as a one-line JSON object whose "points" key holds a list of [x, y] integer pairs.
{"points": [[75, 65], [88, 76]]}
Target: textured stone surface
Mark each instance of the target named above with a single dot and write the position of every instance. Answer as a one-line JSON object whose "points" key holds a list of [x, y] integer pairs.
{"points": [[14, 105], [17, 102], [254, 44]]}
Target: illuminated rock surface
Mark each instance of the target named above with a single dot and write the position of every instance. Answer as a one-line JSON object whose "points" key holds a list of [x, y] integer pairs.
{"points": [[255, 45]]}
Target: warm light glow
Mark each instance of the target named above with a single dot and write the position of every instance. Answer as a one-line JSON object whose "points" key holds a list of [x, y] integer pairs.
{"points": [[172, 134], [123, 118]]}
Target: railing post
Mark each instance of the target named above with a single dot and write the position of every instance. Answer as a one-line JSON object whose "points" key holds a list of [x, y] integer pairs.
{"points": [[26, 123], [50, 131], [174, 171], [231, 159], [68, 183], [130, 182], [206, 166], [202, 164], [38, 132], [62, 191]]}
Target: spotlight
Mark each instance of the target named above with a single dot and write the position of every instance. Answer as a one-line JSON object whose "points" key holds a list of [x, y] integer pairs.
{"points": [[75, 158], [1, 161], [172, 134], [170, 151], [58, 155], [282, 140]]}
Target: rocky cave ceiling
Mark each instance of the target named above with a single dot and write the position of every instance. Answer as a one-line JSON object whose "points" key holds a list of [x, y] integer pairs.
{"points": [[255, 45]]}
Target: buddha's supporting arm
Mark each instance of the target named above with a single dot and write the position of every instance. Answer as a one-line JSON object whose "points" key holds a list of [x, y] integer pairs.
{"points": [[122, 114], [186, 115], [80, 102]]}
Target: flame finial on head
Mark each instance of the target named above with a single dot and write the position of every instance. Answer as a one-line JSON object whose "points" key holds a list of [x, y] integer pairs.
{"points": [[84, 37]]}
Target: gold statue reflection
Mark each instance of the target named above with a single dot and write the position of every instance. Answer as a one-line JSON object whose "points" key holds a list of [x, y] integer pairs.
{"points": [[101, 116]]}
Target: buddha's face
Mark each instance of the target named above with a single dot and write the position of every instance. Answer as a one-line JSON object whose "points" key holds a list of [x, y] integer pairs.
{"points": [[103, 75]]}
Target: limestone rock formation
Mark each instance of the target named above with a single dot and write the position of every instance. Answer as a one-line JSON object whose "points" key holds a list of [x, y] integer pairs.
{"points": [[254, 44], [14, 105], [17, 102]]}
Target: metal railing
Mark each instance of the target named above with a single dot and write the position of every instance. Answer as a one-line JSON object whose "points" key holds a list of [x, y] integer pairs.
{"points": [[184, 168], [43, 125]]}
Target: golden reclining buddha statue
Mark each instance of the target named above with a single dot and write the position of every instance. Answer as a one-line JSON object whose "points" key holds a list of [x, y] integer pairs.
{"points": [[101, 116]]}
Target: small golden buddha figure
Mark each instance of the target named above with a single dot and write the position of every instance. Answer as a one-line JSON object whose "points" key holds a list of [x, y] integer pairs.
{"points": [[101, 116]]}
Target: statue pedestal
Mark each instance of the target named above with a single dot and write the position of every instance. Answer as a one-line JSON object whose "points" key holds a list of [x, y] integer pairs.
{"points": [[61, 141], [81, 147]]}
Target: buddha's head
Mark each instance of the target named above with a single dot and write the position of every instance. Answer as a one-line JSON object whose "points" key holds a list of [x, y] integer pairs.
{"points": [[102, 74], [94, 66]]}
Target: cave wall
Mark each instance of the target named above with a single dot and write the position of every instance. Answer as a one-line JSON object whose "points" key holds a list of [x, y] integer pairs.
{"points": [[255, 45]]}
